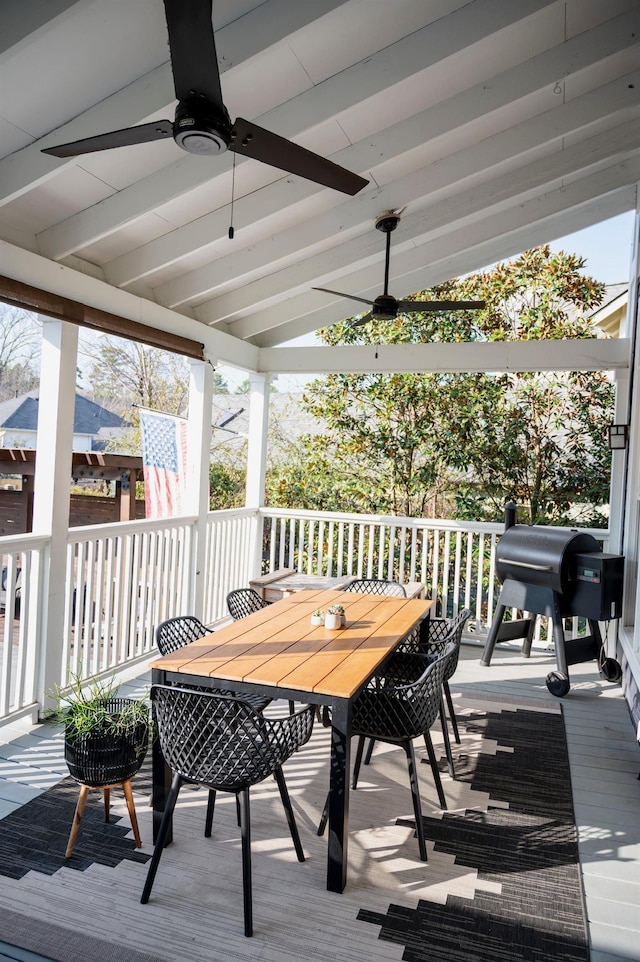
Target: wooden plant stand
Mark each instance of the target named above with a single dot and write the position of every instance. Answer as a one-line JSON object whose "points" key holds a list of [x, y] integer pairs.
{"points": [[106, 789]]}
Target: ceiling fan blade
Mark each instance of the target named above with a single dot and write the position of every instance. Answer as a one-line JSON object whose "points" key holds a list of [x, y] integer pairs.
{"points": [[407, 307], [143, 134], [193, 50], [362, 320], [351, 297], [252, 141]]}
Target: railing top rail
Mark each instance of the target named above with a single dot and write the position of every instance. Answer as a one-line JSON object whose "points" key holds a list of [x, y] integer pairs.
{"points": [[23, 542], [97, 532], [222, 513]]}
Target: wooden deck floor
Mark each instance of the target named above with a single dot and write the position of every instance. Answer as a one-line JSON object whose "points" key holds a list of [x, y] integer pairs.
{"points": [[605, 762]]}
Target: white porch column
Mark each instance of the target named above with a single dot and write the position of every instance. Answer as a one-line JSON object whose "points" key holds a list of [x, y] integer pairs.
{"points": [[197, 481], [632, 480], [51, 487], [259, 387]]}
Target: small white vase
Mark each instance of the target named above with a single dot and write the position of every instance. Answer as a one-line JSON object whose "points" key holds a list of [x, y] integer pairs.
{"points": [[332, 621], [317, 619]]}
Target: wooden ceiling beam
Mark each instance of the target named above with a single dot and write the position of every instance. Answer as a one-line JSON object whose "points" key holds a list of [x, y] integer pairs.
{"points": [[30, 298]]}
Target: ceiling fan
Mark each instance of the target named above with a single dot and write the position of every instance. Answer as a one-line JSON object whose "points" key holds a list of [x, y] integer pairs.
{"points": [[386, 307], [202, 124]]}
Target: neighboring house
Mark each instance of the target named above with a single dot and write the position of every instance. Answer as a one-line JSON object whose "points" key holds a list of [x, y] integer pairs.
{"points": [[93, 425], [610, 316]]}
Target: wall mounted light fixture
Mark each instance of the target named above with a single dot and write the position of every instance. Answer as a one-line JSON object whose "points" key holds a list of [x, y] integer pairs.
{"points": [[618, 436]]}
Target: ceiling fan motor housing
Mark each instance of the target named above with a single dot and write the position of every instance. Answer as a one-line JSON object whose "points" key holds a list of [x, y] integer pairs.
{"points": [[200, 128], [387, 222], [385, 307]]}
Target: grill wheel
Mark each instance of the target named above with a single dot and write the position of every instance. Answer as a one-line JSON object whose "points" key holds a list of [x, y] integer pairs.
{"points": [[558, 683]]}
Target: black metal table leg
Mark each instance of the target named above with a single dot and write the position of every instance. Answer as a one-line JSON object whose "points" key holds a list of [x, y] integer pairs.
{"points": [[160, 774], [339, 795]]}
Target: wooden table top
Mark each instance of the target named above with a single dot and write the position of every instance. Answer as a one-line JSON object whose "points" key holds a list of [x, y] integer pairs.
{"points": [[278, 646]]}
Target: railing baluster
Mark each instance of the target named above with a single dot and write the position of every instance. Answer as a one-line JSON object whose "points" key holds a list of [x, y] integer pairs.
{"points": [[446, 556], [352, 529], [340, 555]]}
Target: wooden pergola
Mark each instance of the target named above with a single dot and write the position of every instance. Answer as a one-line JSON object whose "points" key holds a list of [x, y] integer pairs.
{"points": [[16, 507]]}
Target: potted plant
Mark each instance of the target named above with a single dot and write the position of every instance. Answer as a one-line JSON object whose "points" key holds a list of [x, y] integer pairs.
{"points": [[317, 618], [105, 742], [105, 737], [334, 617]]}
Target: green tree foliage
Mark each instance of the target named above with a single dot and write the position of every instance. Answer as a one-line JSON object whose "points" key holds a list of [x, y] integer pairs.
{"points": [[460, 444], [226, 486]]}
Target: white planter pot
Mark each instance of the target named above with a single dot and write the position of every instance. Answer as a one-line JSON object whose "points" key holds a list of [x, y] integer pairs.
{"points": [[333, 621], [317, 619]]}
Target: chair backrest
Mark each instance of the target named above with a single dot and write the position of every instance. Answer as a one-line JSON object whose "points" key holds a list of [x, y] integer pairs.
{"points": [[174, 633], [406, 710], [219, 740], [243, 602], [441, 628], [444, 630], [376, 586]]}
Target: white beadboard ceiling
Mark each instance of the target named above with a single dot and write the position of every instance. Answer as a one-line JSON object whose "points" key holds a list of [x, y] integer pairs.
{"points": [[496, 124]]}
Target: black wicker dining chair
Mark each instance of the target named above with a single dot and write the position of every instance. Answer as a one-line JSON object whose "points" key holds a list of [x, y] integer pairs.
{"points": [[440, 632], [175, 633], [219, 741], [376, 586], [392, 711], [244, 601]]}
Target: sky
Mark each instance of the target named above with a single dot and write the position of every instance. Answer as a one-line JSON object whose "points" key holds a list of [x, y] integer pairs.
{"points": [[605, 246]]}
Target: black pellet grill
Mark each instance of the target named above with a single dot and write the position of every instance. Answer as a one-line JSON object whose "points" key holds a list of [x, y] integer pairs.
{"points": [[559, 574]]}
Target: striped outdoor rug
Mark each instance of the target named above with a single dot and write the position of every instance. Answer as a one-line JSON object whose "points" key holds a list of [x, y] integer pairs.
{"points": [[524, 846]]}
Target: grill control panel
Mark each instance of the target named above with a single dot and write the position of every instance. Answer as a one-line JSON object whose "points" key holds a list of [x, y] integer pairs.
{"points": [[597, 590]]}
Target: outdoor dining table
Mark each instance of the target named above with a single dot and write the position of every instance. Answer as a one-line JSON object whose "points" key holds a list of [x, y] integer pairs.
{"points": [[277, 652]]}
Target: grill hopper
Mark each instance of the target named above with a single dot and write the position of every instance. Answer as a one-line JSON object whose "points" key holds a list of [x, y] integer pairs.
{"points": [[558, 574]]}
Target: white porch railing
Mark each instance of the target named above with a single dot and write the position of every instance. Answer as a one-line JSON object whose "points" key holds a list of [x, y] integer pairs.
{"points": [[23, 566], [231, 546], [123, 579], [455, 560]]}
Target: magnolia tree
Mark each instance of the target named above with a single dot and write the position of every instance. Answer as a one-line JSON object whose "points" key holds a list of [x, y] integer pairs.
{"points": [[459, 445]]}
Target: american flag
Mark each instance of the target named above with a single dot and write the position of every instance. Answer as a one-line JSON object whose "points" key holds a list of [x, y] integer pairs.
{"points": [[164, 452]]}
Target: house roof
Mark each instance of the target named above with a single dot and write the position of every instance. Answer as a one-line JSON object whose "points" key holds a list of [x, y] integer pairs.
{"points": [[494, 125], [610, 316], [21, 414]]}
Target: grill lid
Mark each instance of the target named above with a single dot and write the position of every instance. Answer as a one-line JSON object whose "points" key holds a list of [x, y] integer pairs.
{"points": [[541, 555]]}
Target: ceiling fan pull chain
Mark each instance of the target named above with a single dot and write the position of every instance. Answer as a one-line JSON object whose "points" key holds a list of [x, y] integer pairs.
{"points": [[233, 187]]}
